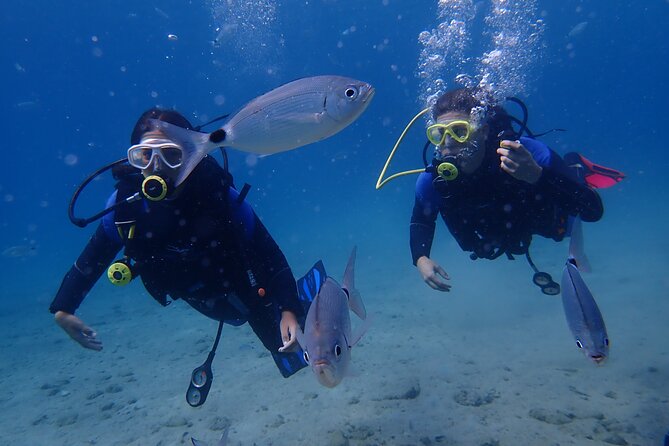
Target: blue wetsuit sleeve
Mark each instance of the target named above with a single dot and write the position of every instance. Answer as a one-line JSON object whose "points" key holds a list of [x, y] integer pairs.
{"points": [[541, 153], [94, 259], [560, 182], [423, 217]]}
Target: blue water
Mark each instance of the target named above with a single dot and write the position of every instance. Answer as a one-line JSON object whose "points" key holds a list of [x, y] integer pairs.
{"points": [[78, 74]]}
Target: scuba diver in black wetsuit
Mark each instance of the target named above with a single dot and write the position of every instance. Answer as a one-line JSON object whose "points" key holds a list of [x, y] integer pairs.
{"points": [[493, 188], [198, 241], [505, 189]]}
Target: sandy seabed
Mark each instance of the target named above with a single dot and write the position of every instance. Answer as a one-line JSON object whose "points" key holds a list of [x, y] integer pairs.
{"points": [[491, 363]]}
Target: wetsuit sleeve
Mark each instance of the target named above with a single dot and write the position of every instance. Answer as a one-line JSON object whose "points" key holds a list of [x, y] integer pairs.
{"points": [[281, 285], [423, 218], [96, 256]]}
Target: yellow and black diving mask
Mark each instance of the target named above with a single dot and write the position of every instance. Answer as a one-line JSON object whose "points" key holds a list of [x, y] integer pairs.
{"points": [[459, 131]]}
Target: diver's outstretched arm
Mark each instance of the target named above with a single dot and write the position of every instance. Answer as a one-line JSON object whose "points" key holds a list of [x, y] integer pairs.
{"points": [[78, 331], [431, 272]]}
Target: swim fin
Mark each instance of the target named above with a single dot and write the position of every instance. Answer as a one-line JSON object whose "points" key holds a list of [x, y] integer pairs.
{"points": [[596, 176], [309, 285]]}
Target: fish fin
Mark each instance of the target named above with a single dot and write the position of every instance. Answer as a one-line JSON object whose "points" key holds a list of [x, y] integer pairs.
{"points": [[196, 145], [361, 330], [355, 303], [354, 298], [222, 442], [576, 247], [224, 438], [349, 279]]}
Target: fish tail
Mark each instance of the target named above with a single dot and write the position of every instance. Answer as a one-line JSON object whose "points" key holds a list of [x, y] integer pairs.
{"points": [[196, 145], [576, 247]]}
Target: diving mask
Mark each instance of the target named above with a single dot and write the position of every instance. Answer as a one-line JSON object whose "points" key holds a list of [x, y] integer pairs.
{"points": [[460, 131], [142, 155]]}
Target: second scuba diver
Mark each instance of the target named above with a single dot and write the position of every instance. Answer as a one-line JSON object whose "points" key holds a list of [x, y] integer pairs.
{"points": [[495, 189], [200, 242]]}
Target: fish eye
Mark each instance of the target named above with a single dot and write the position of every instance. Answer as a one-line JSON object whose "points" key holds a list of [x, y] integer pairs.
{"points": [[351, 92], [337, 351], [606, 341], [578, 344], [306, 356]]}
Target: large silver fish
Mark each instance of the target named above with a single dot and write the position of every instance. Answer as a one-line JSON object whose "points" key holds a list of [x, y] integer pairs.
{"points": [[581, 311], [327, 338], [290, 116]]}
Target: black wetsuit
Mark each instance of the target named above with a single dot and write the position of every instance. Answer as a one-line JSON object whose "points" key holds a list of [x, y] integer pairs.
{"points": [[205, 246], [490, 213]]}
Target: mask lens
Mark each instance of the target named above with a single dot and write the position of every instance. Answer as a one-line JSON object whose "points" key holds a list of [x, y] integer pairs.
{"points": [[139, 156], [172, 155], [460, 131], [436, 134]]}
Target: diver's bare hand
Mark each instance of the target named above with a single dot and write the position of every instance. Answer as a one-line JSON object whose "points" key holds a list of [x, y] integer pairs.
{"points": [[517, 161], [78, 331], [289, 327], [430, 271]]}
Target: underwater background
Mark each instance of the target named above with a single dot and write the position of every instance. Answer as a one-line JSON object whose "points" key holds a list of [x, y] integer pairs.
{"points": [[491, 363]]}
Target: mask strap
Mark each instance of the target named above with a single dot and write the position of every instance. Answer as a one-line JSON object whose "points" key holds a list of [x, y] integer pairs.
{"points": [[380, 182]]}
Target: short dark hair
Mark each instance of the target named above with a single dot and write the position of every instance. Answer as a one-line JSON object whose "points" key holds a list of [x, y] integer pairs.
{"points": [[465, 99], [142, 126], [459, 100]]}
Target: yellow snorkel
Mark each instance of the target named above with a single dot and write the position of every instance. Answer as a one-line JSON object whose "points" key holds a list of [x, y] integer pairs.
{"points": [[381, 182], [447, 171]]}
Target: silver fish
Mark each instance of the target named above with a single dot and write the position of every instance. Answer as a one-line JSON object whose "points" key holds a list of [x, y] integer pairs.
{"points": [[327, 338], [290, 116], [578, 29], [20, 251], [222, 442], [582, 313]]}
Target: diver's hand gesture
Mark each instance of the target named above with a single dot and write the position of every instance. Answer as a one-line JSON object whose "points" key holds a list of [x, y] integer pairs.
{"points": [[289, 327], [517, 161], [431, 272], [78, 331]]}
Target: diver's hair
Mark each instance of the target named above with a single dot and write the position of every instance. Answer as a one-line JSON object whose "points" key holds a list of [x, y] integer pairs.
{"points": [[142, 126], [466, 99]]}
